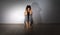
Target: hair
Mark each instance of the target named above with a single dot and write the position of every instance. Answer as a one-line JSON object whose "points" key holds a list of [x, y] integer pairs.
{"points": [[28, 6]]}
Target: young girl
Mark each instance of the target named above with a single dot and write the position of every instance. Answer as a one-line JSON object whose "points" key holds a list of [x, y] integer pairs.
{"points": [[28, 16]]}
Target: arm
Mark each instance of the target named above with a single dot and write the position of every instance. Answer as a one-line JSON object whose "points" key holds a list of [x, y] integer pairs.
{"points": [[31, 12], [25, 13]]}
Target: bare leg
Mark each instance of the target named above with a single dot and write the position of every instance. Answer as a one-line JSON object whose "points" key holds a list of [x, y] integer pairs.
{"points": [[27, 24]]}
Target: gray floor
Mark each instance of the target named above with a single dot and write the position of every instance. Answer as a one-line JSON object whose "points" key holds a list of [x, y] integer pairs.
{"points": [[37, 29]]}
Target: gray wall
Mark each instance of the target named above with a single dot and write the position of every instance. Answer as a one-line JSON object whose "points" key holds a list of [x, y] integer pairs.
{"points": [[49, 11], [46, 11]]}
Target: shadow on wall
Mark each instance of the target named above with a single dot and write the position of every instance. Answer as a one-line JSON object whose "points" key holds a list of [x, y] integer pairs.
{"points": [[36, 12]]}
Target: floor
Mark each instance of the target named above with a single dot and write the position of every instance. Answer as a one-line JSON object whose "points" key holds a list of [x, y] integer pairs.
{"points": [[36, 29]]}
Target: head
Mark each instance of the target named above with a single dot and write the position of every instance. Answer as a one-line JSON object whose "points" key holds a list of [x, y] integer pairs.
{"points": [[28, 8]]}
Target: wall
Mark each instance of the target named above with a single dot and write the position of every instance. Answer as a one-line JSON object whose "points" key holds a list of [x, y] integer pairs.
{"points": [[46, 11]]}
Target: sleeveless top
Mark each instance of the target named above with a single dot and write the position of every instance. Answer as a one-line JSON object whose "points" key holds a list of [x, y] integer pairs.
{"points": [[28, 17]]}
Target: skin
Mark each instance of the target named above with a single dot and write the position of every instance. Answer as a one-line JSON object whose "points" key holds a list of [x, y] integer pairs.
{"points": [[25, 13], [30, 11]]}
